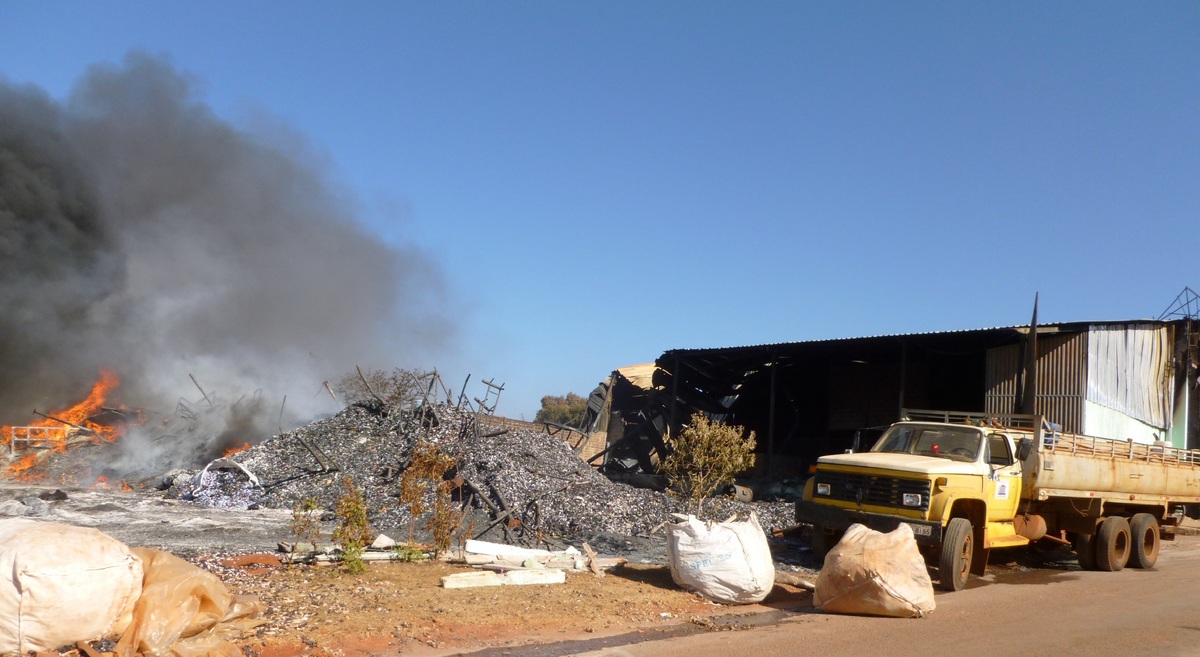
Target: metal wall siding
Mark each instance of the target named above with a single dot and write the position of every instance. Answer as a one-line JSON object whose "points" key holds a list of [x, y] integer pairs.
{"points": [[1062, 378], [1130, 371]]}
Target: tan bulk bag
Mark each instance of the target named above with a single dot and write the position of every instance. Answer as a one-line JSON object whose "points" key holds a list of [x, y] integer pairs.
{"points": [[726, 562], [64, 584], [185, 611], [869, 572]]}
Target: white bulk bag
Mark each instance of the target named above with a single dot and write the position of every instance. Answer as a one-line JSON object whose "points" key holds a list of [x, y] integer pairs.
{"points": [[869, 572], [726, 562], [67, 584]]}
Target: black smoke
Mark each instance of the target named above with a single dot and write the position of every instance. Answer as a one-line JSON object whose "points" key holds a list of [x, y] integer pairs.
{"points": [[140, 232]]}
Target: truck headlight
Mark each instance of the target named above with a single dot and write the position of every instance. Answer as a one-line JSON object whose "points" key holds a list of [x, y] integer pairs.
{"points": [[912, 499], [822, 489]]}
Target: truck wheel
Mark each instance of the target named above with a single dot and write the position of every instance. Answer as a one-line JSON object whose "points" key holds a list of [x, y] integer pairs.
{"points": [[822, 542], [1085, 549], [954, 565], [1112, 544], [1143, 532]]}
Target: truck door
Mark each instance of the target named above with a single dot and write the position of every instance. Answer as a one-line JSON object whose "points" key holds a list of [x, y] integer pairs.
{"points": [[1004, 484]]}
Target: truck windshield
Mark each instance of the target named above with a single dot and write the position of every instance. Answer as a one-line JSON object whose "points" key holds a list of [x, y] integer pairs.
{"points": [[946, 442]]}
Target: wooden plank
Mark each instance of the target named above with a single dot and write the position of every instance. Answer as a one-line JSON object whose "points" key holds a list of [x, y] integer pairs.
{"points": [[593, 560]]}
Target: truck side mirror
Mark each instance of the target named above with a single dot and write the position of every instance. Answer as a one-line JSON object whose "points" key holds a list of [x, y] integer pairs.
{"points": [[857, 438], [1024, 448]]}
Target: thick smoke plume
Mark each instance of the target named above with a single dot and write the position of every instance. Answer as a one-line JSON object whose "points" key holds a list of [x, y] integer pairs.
{"points": [[141, 233]]}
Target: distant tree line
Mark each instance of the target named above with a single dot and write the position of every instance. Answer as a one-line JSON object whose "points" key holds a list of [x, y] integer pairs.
{"points": [[570, 410]]}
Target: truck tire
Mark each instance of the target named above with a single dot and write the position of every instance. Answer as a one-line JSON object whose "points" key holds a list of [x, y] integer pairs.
{"points": [[954, 565], [822, 542], [1112, 544], [1085, 549], [1144, 537]]}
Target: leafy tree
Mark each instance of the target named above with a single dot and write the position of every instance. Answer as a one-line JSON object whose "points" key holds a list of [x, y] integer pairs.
{"points": [[706, 456], [570, 410]]}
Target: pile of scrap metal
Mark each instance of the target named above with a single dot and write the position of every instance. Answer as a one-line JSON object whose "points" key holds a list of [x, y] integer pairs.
{"points": [[514, 485]]}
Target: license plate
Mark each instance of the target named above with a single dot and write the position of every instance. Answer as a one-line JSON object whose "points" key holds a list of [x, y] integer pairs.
{"points": [[921, 530]]}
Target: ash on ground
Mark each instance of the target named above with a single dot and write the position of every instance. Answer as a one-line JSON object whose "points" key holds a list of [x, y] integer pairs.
{"points": [[542, 492]]}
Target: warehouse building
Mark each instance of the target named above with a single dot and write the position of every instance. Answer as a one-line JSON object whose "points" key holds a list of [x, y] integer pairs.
{"points": [[1133, 379]]}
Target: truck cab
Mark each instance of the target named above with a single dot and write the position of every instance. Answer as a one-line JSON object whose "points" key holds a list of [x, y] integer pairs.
{"points": [[955, 484], [966, 483]]}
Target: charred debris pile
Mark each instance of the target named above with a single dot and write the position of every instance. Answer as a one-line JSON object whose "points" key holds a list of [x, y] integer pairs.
{"points": [[515, 484]]}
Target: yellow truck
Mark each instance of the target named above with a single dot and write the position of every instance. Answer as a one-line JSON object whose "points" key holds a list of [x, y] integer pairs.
{"points": [[966, 483]]}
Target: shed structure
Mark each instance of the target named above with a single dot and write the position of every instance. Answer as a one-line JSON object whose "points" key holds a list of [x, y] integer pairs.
{"points": [[1132, 379]]}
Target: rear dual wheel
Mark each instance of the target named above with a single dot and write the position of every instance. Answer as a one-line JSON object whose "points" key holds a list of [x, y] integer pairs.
{"points": [[1144, 536], [1113, 544]]}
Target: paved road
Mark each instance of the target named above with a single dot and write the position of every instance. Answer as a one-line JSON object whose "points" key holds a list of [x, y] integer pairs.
{"points": [[1009, 612]]}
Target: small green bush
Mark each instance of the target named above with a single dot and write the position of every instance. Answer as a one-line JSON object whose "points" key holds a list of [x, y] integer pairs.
{"points": [[429, 464], [706, 456], [444, 521], [353, 535], [304, 526]]}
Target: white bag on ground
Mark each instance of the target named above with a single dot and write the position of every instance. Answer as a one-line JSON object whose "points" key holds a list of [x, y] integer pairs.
{"points": [[869, 572], [67, 584], [726, 562]]}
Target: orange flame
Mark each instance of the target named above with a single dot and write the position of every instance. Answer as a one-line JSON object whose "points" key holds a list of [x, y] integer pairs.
{"points": [[77, 416], [22, 470], [234, 450], [79, 413]]}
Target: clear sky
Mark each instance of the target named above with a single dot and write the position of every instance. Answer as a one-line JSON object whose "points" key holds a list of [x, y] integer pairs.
{"points": [[604, 181]]}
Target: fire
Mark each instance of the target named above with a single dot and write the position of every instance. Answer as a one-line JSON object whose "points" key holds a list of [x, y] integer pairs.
{"points": [[79, 413], [68, 422], [22, 470], [101, 483], [234, 450]]}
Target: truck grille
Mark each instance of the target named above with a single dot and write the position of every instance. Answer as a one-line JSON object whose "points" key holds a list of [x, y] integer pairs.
{"points": [[873, 489]]}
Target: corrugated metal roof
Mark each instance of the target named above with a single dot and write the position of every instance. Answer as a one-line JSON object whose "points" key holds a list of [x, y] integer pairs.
{"points": [[1061, 326]]}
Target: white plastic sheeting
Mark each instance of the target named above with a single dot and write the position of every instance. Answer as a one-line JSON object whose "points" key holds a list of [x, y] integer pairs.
{"points": [[1129, 371]]}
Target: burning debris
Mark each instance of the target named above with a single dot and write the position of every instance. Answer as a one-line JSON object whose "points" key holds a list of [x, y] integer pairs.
{"points": [[87, 421], [92, 442], [517, 484], [491, 478]]}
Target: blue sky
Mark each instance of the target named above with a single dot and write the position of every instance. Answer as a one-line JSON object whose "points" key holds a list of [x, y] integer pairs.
{"points": [[603, 181]]}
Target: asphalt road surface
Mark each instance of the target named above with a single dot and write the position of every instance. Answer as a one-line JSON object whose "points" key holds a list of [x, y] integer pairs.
{"points": [[1054, 611]]}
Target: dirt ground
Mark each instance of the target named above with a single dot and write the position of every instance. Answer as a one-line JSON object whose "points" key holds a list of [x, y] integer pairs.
{"points": [[396, 608], [400, 608]]}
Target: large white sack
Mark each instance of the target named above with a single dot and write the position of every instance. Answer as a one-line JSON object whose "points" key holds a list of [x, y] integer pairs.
{"points": [[726, 562], [64, 584], [869, 572]]}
